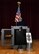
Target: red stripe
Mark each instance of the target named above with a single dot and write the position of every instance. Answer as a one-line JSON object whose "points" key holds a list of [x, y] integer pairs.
{"points": [[16, 20], [17, 16]]}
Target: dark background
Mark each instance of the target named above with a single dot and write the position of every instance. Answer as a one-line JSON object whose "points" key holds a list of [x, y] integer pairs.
{"points": [[29, 10]]}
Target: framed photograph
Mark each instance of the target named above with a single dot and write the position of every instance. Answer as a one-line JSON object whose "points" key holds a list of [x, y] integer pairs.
{"points": [[6, 37]]}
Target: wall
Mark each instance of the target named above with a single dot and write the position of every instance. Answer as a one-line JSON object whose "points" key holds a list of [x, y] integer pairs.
{"points": [[29, 10]]}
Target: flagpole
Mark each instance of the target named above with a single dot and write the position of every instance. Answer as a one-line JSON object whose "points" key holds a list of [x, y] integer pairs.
{"points": [[16, 23], [18, 14], [19, 7]]}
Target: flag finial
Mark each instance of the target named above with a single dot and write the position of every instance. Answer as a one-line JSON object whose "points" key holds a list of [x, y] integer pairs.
{"points": [[18, 2]]}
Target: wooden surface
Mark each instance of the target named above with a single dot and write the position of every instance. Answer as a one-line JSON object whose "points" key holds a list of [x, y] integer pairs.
{"points": [[34, 50]]}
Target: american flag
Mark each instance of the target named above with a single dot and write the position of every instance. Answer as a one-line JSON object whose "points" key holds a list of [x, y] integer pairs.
{"points": [[18, 16]]}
